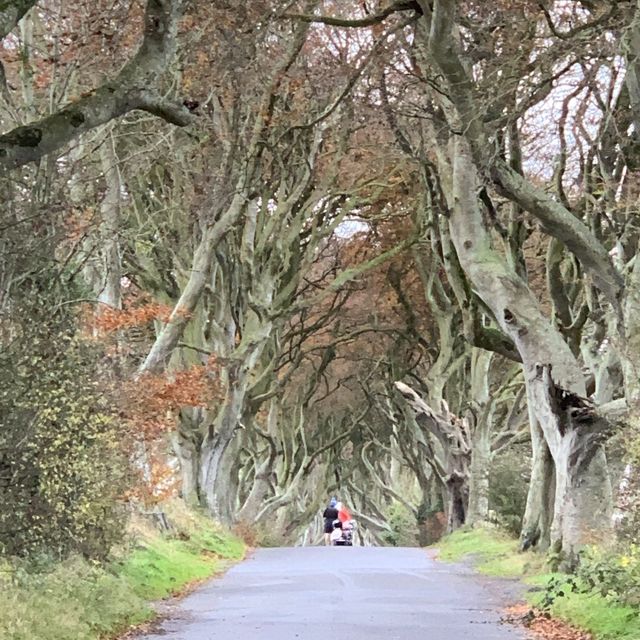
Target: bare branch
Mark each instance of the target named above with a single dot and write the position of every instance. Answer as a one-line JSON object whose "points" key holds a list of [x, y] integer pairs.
{"points": [[129, 90], [376, 18], [557, 221]]}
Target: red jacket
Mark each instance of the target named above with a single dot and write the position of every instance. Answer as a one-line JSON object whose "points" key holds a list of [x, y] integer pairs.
{"points": [[343, 514]]}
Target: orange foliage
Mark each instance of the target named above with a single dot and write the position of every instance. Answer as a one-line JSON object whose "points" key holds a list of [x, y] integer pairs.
{"points": [[157, 481], [151, 402], [543, 626], [78, 224], [108, 319], [150, 406]]}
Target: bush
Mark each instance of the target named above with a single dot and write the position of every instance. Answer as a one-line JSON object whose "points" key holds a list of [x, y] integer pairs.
{"points": [[613, 574], [41, 599], [75, 599], [62, 463], [508, 486], [404, 528]]}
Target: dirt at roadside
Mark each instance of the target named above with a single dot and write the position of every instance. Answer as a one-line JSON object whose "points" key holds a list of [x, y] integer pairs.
{"points": [[541, 625]]}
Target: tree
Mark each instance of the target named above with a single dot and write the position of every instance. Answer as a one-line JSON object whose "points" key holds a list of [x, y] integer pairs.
{"points": [[133, 88]]}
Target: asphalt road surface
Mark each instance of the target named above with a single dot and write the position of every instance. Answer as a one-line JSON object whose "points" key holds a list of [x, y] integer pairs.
{"points": [[350, 593]]}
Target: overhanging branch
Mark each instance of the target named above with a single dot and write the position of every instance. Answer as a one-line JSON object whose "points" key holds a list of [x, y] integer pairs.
{"points": [[369, 21], [128, 91]]}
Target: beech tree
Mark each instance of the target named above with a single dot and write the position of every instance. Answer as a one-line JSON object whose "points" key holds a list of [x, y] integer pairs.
{"points": [[134, 87], [475, 158], [340, 245]]}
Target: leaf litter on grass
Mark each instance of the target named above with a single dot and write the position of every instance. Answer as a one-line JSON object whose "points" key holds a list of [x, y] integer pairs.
{"points": [[541, 625]]}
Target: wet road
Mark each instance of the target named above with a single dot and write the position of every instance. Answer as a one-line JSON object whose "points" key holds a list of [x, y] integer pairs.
{"points": [[358, 593]]}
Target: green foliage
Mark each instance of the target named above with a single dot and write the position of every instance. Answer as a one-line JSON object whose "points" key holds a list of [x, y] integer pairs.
{"points": [[76, 600], [598, 599], [508, 486], [599, 616], [62, 464], [568, 598], [611, 574], [81, 600], [404, 529]]}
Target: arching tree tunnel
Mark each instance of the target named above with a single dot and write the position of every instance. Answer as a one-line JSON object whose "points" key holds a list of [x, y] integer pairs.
{"points": [[380, 250]]}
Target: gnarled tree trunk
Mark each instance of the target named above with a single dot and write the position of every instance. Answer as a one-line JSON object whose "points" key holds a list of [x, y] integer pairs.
{"points": [[576, 448]]}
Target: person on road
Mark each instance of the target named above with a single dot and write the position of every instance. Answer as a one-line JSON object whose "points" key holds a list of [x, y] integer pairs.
{"points": [[329, 514], [343, 513]]}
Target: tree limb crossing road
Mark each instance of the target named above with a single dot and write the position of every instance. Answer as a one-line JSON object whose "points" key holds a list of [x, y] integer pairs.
{"points": [[358, 593]]}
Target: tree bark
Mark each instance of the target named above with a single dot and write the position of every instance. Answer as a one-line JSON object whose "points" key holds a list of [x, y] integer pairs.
{"points": [[480, 438], [630, 353], [452, 435], [443, 42], [110, 292], [479, 477], [11, 12], [168, 338], [131, 89], [187, 453], [538, 515], [632, 50], [577, 451]]}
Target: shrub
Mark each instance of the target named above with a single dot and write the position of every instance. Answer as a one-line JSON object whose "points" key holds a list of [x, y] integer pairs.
{"points": [[404, 528], [614, 574], [508, 486], [62, 462], [75, 599]]}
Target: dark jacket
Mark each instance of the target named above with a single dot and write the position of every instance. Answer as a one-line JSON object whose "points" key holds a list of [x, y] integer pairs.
{"points": [[330, 513]]}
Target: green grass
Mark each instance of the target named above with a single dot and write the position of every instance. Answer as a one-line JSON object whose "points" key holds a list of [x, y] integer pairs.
{"points": [[164, 567], [77, 600], [73, 601], [605, 619], [494, 553]]}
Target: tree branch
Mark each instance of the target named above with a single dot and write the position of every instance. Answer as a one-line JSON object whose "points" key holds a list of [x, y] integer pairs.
{"points": [[376, 18], [11, 13], [560, 223], [128, 91], [556, 220]]}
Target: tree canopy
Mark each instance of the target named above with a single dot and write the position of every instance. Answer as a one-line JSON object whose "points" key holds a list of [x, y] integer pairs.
{"points": [[261, 253]]}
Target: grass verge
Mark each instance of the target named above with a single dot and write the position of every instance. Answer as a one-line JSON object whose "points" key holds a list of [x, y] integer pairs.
{"points": [[84, 601], [494, 553], [491, 551]]}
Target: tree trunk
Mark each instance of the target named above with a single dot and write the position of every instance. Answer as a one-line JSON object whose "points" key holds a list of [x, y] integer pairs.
{"points": [[259, 492], [110, 290], [451, 436], [538, 515], [632, 50], [262, 486], [210, 481], [576, 448], [187, 455], [479, 477], [584, 498], [457, 501], [481, 426], [631, 352]]}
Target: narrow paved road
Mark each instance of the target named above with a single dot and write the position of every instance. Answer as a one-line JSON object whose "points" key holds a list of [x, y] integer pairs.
{"points": [[323, 593]]}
